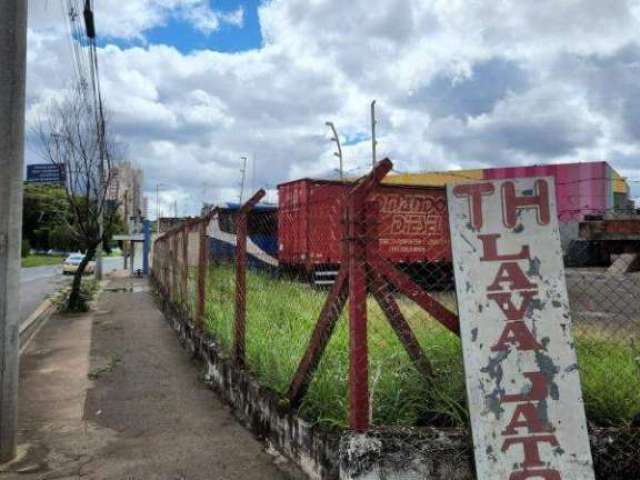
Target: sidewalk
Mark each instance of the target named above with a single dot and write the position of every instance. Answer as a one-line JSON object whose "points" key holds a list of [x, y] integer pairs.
{"points": [[111, 395]]}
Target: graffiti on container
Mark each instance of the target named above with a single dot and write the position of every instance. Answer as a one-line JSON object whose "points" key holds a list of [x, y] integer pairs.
{"points": [[522, 379]]}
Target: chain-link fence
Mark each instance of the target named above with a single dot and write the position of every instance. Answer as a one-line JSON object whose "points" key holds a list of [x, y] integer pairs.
{"points": [[341, 298]]}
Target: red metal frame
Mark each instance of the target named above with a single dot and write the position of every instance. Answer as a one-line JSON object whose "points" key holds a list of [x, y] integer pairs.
{"points": [[331, 311], [239, 344], [361, 261], [407, 286], [384, 297]]}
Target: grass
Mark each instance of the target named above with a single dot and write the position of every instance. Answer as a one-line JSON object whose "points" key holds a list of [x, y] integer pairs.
{"points": [[106, 369], [41, 260], [281, 315], [88, 290]]}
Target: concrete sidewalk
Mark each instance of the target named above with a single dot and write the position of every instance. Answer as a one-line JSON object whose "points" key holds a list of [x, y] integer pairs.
{"points": [[111, 395]]}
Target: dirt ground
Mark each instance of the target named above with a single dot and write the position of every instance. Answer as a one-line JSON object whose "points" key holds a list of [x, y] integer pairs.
{"points": [[111, 395]]}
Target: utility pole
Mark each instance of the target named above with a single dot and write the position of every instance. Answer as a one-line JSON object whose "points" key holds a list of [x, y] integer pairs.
{"points": [[373, 133], [337, 140], [13, 54], [244, 176], [90, 30]]}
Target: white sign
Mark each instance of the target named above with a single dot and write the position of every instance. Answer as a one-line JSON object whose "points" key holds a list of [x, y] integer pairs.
{"points": [[523, 384]]}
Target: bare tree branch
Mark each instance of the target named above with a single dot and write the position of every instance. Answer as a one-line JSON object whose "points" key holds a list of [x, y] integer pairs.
{"points": [[77, 141]]}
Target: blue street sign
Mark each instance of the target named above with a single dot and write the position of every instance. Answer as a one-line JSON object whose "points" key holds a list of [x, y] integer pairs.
{"points": [[45, 173]]}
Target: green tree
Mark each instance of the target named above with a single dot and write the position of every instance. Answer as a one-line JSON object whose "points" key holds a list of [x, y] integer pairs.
{"points": [[45, 212]]}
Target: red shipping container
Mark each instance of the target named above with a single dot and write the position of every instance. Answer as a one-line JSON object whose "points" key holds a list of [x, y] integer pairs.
{"points": [[412, 225]]}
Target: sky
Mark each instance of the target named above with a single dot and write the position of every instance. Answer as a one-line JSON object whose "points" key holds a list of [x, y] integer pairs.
{"points": [[194, 85]]}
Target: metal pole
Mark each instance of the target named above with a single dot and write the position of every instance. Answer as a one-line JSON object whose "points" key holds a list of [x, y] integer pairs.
{"points": [[146, 230], [337, 140], [13, 53], [239, 346], [241, 289], [374, 142], [126, 221], [203, 258], [358, 349]]}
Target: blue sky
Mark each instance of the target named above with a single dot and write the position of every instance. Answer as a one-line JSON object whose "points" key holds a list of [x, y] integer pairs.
{"points": [[181, 34], [457, 84]]}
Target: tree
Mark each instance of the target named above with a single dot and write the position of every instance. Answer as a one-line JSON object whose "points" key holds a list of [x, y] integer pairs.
{"points": [[46, 213], [74, 137]]}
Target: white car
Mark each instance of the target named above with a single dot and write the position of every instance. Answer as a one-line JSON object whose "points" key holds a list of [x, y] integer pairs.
{"points": [[72, 262]]}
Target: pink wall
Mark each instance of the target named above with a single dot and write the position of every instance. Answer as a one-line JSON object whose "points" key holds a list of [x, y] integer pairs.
{"points": [[581, 188]]}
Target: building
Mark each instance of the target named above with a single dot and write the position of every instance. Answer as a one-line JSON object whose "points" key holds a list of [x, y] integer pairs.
{"points": [[125, 190], [582, 189]]}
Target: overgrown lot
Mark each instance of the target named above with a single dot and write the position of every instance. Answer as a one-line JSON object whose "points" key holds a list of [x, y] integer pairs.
{"points": [[281, 315]]}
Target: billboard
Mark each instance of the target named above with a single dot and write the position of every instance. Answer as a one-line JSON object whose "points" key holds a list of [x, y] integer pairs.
{"points": [[45, 173], [523, 385]]}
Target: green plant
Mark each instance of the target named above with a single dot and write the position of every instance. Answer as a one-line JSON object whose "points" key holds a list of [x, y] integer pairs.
{"points": [[88, 289], [281, 315]]}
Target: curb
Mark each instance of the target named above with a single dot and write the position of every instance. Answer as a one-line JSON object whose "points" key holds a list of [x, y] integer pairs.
{"points": [[32, 325]]}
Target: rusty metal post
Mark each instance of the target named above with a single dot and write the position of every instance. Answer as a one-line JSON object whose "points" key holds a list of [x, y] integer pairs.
{"points": [[174, 266], [203, 258], [333, 306], [165, 273], [241, 290], [184, 287], [241, 277], [358, 339]]}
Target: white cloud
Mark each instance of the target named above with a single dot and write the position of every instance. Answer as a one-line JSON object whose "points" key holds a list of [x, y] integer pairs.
{"points": [[458, 84]]}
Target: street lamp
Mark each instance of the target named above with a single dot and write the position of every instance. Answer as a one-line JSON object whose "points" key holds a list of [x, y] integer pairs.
{"points": [[336, 139]]}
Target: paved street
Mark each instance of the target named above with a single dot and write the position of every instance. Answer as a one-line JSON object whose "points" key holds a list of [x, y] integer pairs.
{"points": [[37, 283]]}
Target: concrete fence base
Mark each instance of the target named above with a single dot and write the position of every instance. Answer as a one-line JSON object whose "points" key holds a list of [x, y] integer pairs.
{"points": [[399, 454]]}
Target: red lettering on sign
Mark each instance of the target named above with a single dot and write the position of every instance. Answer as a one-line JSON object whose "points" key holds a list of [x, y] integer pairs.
{"points": [[526, 416], [547, 474], [474, 193], [538, 391], [490, 250], [511, 273], [516, 333], [530, 448], [514, 293], [503, 300], [512, 203]]}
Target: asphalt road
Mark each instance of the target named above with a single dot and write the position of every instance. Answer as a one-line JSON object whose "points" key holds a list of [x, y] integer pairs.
{"points": [[37, 283]]}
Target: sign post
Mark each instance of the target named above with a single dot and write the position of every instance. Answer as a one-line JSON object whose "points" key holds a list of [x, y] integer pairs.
{"points": [[523, 384]]}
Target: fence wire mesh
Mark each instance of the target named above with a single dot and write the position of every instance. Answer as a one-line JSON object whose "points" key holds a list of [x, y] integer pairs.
{"points": [[349, 309]]}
